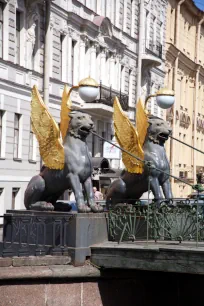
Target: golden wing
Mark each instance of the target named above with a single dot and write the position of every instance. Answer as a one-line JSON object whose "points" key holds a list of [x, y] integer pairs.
{"points": [[141, 122], [47, 133], [65, 110], [128, 139]]}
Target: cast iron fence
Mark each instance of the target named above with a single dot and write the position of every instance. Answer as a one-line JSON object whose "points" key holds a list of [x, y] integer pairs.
{"points": [[176, 219], [146, 220], [35, 235]]}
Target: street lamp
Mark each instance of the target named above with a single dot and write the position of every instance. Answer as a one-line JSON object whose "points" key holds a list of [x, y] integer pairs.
{"points": [[88, 89], [165, 98]]}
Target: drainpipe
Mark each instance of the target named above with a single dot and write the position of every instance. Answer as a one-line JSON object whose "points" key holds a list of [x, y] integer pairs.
{"points": [[176, 41], [47, 52], [195, 121], [172, 153], [196, 95], [140, 46]]}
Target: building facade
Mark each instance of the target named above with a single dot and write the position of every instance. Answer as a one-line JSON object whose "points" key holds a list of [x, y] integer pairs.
{"points": [[52, 43], [185, 75]]}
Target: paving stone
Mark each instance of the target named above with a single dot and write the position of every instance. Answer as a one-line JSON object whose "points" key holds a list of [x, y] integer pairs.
{"points": [[5, 262], [63, 294], [23, 295]]}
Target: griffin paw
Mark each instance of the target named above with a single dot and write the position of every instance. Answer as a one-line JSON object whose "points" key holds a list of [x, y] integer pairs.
{"points": [[42, 206], [83, 209], [96, 208]]}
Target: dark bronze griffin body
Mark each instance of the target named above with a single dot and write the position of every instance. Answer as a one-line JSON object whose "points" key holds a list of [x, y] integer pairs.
{"points": [[45, 189], [131, 186]]}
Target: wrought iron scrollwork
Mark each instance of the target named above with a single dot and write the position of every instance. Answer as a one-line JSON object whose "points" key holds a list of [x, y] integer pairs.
{"points": [[181, 221]]}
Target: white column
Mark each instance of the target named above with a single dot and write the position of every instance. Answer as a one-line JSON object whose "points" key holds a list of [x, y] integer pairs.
{"points": [[125, 16], [112, 70], [103, 65], [98, 65], [117, 13], [140, 47], [51, 51], [76, 78], [118, 72], [47, 52], [132, 18], [82, 57], [98, 7], [5, 32], [113, 12], [93, 61], [22, 40], [107, 75], [69, 59], [130, 88], [64, 57]]}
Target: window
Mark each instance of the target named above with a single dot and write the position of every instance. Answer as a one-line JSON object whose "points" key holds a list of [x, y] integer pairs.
{"points": [[16, 135], [121, 78], [102, 142], [35, 48], [14, 195], [130, 85], [87, 60], [18, 29], [72, 61], [60, 56], [31, 144], [183, 174], [1, 29]]}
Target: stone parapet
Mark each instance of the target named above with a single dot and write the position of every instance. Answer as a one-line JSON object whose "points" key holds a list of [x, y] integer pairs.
{"points": [[68, 235]]}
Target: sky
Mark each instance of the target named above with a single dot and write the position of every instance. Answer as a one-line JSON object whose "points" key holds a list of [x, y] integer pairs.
{"points": [[200, 4]]}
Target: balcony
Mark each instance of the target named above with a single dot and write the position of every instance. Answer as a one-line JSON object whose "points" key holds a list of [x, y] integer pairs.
{"points": [[105, 99], [152, 55]]}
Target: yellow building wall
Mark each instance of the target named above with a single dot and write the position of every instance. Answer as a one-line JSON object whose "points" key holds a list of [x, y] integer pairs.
{"points": [[185, 75]]}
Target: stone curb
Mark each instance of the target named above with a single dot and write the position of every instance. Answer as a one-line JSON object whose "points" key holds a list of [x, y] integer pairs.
{"points": [[34, 261], [28, 272]]}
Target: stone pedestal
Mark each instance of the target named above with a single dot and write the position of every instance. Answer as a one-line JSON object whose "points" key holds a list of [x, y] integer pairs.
{"points": [[57, 233]]}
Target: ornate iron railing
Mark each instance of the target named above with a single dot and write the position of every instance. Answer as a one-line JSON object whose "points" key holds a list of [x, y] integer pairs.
{"points": [[107, 95], [35, 235], [154, 47], [177, 220]]}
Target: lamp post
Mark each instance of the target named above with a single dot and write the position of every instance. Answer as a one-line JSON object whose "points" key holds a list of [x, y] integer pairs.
{"points": [[88, 89], [165, 98]]}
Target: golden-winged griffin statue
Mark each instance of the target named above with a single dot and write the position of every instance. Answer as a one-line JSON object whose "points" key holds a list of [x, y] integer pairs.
{"points": [[146, 141], [67, 162]]}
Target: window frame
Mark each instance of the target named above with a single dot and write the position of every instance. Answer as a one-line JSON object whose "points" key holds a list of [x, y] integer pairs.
{"points": [[18, 37], [17, 131]]}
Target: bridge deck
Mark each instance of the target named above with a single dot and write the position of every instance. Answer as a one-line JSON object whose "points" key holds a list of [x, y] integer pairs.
{"points": [[166, 256]]}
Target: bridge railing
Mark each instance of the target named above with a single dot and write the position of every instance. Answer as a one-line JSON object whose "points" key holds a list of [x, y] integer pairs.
{"points": [[176, 220], [35, 235]]}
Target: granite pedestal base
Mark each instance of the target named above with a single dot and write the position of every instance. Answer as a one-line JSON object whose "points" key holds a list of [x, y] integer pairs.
{"points": [[28, 233]]}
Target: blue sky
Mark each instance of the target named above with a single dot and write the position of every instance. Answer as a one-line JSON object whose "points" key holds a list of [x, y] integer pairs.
{"points": [[200, 4]]}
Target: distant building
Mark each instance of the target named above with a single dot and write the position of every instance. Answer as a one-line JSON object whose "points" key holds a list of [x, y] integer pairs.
{"points": [[185, 74], [70, 40]]}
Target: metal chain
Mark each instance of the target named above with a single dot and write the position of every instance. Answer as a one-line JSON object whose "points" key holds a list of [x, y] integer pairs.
{"points": [[146, 162]]}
